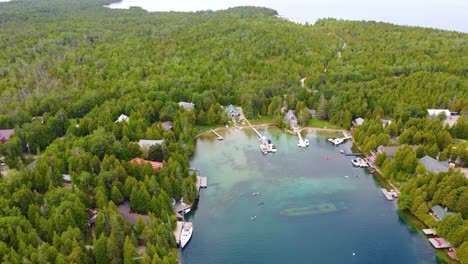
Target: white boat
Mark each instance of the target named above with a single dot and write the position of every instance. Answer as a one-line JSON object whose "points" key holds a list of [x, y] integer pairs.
{"points": [[306, 142], [301, 144], [186, 211], [336, 141], [359, 163], [187, 230], [342, 151], [271, 148], [255, 193], [253, 217]]}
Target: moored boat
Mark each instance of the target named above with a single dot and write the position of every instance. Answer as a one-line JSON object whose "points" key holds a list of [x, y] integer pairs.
{"points": [[271, 148], [359, 163], [187, 230]]}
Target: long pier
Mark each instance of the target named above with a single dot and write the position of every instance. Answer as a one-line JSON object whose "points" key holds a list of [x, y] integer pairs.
{"points": [[218, 135], [256, 131], [236, 126]]}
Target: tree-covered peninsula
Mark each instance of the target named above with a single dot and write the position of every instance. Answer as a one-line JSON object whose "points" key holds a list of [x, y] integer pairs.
{"points": [[70, 69]]}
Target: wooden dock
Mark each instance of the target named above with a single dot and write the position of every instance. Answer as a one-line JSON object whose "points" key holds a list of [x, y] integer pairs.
{"points": [[429, 232], [439, 242], [353, 154], [178, 231], [218, 135], [389, 194], [202, 182], [236, 126], [182, 208]]}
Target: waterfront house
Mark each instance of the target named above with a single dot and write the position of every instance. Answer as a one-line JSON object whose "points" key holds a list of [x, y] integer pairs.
{"points": [[232, 111], [5, 134], [439, 213], [290, 118], [390, 151], [121, 118], [186, 105], [168, 125], [433, 165], [156, 165]]}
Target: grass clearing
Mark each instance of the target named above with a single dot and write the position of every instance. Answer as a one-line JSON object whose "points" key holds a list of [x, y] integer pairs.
{"points": [[313, 122]]}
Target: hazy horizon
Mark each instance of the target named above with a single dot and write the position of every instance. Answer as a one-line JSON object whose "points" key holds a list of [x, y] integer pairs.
{"points": [[448, 15]]}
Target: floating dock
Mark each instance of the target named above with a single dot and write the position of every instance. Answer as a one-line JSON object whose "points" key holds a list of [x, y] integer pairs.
{"points": [[390, 195], [439, 242], [218, 135], [182, 208], [429, 232], [353, 154], [202, 182]]}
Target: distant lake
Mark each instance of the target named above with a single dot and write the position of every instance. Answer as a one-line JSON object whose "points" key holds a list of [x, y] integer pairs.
{"points": [[306, 210], [442, 14]]}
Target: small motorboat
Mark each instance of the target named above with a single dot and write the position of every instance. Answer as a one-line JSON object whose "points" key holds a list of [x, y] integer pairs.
{"points": [[262, 203], [342, 151], [271, 148], [253, 217], [255, 193], [306, 142]]}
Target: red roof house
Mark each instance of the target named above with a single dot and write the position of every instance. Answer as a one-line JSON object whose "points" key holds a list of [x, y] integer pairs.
{"points": [[156, 165]]}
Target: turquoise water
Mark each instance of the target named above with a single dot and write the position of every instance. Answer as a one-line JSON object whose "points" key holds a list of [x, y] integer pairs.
{"points": [[311, 213]]}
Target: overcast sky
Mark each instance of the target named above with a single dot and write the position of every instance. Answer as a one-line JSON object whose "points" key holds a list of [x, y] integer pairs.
{"points": [[444, 14]]}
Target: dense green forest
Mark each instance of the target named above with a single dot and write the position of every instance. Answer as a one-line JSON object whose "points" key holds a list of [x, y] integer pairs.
{"points": [[69, 69]]}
